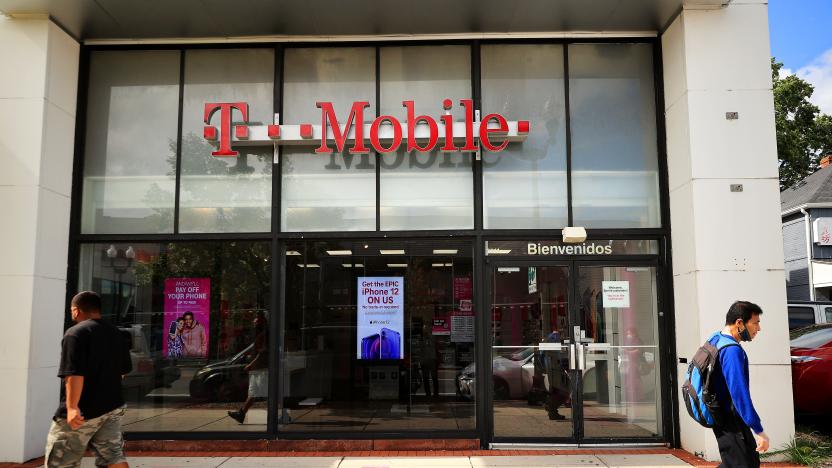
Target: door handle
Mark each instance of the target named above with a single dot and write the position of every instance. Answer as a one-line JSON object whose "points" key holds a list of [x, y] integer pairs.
{"points": [[572, 356]]}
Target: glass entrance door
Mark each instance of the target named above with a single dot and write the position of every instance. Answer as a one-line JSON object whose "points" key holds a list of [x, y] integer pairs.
{"points": [[620, 392], [574, 352], [530, 355]]}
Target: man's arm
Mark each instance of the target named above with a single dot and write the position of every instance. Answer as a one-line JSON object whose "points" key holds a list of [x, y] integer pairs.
{"points": [[74, 385], [733, 368], [203, 346], [733, 362]]}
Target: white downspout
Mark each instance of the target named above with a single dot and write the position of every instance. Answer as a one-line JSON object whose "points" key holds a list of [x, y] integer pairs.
{"points": [[809, 253]]}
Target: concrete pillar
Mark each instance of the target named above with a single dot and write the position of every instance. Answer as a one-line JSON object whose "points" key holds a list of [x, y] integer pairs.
{"points": [[38, 92], [726, 245]]}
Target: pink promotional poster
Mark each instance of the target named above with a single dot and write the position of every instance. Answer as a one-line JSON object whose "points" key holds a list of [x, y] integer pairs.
{"points": [[187, 311]]}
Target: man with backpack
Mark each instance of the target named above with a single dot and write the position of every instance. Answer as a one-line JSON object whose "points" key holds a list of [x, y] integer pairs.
{"points": [[716, 391]]}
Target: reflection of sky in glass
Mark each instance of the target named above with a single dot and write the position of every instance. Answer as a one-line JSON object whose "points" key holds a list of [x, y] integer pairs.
{"points": [[525, 185], [613, 122], [132, 112], [226, 194], [425, 190], [330, 192]]}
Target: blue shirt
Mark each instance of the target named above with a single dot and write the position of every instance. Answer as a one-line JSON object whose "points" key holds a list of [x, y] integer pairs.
{"points": [[732, 384]]}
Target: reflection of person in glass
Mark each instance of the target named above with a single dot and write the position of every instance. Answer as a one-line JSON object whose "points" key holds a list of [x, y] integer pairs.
{"points": [[175, 342], [258, 368], [193, 337], [558, 387], [427, 362], [632, 366]]}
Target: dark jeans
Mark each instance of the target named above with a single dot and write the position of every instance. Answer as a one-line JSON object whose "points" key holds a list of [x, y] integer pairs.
{"points": [[429, 372], [557, 391], [737, 446]]}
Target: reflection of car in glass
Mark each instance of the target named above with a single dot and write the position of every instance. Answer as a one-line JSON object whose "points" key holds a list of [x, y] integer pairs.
{"points": [[811, 352], [223, 380], [141, 379], [149, 371], [513, 376]]}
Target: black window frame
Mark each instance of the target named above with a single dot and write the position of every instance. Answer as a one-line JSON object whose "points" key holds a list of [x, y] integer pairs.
{"points": [[477, 235]]}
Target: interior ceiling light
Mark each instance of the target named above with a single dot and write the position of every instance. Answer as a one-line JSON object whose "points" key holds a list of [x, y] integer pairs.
{"points": [[292, 252], [309, 265], [444, 251], [339, 252], [397, 265], [392, 252]]}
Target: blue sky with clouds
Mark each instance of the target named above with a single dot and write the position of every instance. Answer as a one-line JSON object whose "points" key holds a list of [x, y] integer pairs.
{"points": [[801, 38]]}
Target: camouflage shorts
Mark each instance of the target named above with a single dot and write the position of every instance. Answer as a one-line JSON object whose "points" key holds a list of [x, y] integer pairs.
{"points": [[65, 447]]}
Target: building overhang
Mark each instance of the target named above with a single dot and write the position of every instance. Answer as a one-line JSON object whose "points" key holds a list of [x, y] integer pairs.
{"points": [[129, 20]]}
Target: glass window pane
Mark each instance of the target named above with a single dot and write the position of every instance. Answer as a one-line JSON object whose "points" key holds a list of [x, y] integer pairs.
{"points": [[425, 190], [196, 314], [524, 186], [612, 98], [130, 145], [801, 316], [425, 75], [327, 192], [228, 194], [349, 366]]}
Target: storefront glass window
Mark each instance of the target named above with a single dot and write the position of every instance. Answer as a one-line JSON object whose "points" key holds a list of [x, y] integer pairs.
{"points": [[130, 143], [226, 194], [376, 335], [524, 186], [432, 190], [612, 100], [188, 310], [327, 192]]}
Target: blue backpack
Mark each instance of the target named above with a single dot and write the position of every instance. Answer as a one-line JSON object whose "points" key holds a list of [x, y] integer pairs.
{"points": [[700, 398]]}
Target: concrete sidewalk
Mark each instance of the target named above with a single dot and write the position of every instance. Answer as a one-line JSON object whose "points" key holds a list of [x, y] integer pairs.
{"points": [[651, 458], [540, 461]]}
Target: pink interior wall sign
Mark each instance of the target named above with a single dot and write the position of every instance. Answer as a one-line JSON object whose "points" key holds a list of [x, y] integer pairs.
{"points": [[187, 315]]}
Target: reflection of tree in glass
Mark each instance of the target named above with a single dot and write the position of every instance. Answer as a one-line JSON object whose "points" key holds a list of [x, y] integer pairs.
{"points": [[203, 174], [240, 274]]}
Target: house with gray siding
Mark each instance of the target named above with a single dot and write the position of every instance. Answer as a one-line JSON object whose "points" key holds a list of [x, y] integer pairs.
{"points": [[806, 211]]}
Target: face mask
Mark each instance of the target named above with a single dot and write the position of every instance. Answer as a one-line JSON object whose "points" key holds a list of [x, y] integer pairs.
{"points": [[744, 335]]}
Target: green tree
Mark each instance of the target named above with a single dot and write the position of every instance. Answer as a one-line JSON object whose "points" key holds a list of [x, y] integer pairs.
{"points": [[804, 134]]}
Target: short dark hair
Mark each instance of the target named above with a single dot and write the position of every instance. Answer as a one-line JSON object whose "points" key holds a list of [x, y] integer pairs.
{"points": [[87, 302], [742, 310], [186, 314]]}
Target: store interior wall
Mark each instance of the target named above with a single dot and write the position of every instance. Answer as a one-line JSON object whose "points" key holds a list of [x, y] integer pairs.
{"points": [[38, 93], [727, 244]]}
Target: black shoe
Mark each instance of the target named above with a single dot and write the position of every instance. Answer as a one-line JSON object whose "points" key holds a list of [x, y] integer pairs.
{"points": [[238, 416], [555, 416]]}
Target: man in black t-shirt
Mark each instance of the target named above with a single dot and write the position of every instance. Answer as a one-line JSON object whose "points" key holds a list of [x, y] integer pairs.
{"points": [[94, 357]]}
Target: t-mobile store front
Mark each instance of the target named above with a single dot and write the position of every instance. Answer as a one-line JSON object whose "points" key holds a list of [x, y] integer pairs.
{"points": [[395, 212]]}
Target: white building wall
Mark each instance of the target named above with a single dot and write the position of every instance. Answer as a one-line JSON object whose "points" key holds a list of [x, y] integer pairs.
{"points": [[38, 92], [726, 245]]}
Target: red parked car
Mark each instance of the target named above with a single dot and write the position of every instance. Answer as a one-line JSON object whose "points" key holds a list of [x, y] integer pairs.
{"points": [[811, 351]]}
